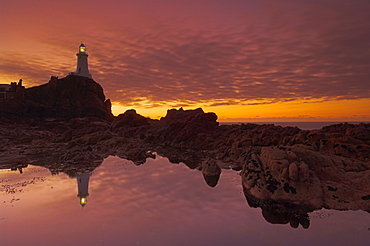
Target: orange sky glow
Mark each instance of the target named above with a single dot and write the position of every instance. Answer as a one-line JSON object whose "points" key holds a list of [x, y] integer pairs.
{"points": [[247, 61]]}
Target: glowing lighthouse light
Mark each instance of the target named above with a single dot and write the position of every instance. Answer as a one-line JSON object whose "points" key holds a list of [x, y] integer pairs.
{"points": [[83, 201], [82, 48]]}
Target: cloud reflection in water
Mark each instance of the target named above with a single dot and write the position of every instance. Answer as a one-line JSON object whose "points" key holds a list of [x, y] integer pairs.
{"points": [[157, 203]]}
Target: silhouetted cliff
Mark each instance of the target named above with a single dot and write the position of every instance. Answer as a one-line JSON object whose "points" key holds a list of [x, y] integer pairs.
{"points": [[69, 97]]}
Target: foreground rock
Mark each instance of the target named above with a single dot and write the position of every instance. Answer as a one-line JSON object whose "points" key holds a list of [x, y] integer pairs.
{"points": [[302, 177], [279, 165]]}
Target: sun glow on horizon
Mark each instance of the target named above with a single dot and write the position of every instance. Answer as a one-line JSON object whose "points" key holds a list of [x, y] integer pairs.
{"points": [[294, 111]]}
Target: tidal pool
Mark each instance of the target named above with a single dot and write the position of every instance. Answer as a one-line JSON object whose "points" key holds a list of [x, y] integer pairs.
{"points": [[157, 203]]}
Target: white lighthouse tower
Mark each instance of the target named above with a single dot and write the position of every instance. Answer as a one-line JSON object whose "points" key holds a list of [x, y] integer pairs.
{"points": [[83, 187], [82, 67]]}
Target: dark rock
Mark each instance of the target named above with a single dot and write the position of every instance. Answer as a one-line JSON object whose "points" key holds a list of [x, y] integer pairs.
{"points": [[65, 137], [69, 97], [331, 188], [129, 118], [366, 197], [180, 115], [211, 172]]}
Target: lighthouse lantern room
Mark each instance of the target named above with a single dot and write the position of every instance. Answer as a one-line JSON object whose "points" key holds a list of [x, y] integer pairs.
{"points": [[82, 48], [82, 65]]}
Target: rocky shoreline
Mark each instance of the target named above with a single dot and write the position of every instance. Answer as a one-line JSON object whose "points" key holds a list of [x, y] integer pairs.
{"points": [[284, 170]]}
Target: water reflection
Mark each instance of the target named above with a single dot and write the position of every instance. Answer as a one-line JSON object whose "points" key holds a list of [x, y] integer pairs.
{"points": [[272, 212], [170, 202], [19, 168], [280, 213], [211, 172]]}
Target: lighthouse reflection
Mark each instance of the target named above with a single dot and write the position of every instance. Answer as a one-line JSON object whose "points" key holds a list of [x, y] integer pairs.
{"points": [[83, 187]]}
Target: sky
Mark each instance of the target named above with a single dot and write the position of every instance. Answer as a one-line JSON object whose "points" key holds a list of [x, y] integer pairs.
{"points": [[245, 60]]}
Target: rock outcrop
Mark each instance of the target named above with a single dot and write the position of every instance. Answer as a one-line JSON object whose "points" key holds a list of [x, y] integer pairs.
{"points": [[66, 98], [129, 118], [303, 177], [186, 127]]}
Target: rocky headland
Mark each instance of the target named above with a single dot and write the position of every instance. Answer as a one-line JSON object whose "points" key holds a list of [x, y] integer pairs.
{"points": [[67, 126], [66, 98]]}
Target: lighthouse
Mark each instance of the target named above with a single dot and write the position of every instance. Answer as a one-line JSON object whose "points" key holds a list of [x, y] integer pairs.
{"points": [[82, 67], [83, 187]]}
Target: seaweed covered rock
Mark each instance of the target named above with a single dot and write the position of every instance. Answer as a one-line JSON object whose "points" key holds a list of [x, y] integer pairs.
{"points": [[303, 177]]}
